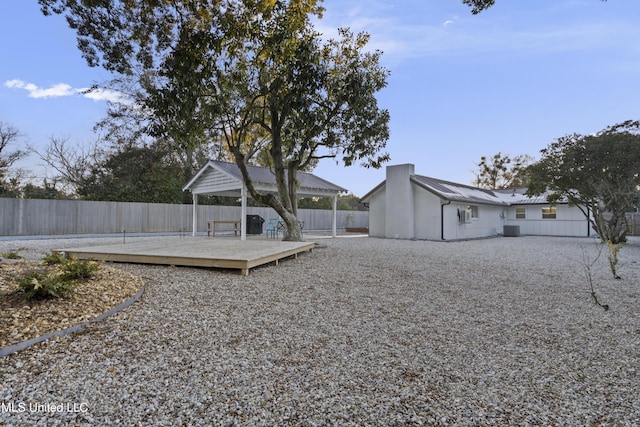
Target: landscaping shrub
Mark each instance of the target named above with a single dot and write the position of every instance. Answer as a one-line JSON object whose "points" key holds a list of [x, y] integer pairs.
{"points": [[12, 254], [54, 258], [57, 280], [40, 285], [72, 269]]}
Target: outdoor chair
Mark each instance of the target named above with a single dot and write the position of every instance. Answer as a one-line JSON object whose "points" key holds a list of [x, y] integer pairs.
{"points": [[273, 229]]}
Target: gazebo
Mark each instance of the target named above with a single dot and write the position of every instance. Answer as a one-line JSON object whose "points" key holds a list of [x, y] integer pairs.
{"points": [[225, 179]]}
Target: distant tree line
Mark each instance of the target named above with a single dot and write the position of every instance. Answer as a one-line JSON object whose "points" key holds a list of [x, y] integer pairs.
{"points": [[132, 170]]}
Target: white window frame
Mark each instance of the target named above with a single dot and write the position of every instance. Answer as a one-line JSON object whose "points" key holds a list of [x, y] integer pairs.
{"points": [[474, 211]]}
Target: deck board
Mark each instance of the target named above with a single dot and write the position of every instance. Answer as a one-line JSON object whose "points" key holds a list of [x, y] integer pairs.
{"points": [[196, 252]]}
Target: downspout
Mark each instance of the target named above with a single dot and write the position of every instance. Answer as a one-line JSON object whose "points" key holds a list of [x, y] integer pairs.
{"points": [[442, 205]]}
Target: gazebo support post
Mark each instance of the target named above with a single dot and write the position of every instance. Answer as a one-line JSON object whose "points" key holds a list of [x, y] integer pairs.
{"points": [[243, 212], [334, 218], [195, 214]]}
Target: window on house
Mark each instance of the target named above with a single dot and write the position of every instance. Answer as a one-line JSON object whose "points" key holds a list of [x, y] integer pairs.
{"points": [[521, 213], [549, 213], [474, 211]]}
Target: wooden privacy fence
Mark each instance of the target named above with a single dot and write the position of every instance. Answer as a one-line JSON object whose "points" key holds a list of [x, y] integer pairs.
{"points": [[58, 217], [633, 224]]}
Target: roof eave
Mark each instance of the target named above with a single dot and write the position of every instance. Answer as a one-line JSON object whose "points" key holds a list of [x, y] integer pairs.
{"points": [[364, 199], [193, 179]]}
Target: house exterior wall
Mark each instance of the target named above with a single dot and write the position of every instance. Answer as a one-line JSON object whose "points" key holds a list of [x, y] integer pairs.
{"points": [[377, 214], [427, 223], [488, 222], [418, 215], [569, 221]]}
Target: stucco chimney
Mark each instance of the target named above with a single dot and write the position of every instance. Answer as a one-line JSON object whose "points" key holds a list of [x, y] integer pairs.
{"points": [[399, 209]]}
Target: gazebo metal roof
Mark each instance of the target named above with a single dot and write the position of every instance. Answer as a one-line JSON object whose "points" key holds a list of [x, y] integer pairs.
{"points": [[225, 178]]}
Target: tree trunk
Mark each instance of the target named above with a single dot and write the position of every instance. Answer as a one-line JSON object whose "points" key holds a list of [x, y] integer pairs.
{"points": [[292, 231], [613, 229], [286, 201]]}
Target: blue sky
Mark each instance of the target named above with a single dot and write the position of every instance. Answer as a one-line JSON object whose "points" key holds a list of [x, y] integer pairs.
{"points": [[511, 79]]}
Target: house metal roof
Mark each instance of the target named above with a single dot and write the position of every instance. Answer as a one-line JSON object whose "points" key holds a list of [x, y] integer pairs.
{"points": [[453, 191], [457, 192], [517, 196]]}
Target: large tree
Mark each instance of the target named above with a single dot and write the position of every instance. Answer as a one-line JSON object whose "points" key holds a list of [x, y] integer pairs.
{"points": [[502, 171], [70, 163], [137, 174], [241, 69], [598, 173], [8, 134]]}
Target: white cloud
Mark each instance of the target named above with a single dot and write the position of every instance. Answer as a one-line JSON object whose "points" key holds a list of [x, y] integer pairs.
{"points": [[98, 94], [447, 23], [63, 89], [57, 90]]}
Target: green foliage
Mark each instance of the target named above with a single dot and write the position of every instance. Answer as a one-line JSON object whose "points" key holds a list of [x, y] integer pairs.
{"points": [[256, 73], [54, 258], [501, 171], [13, 254], [135, 175], [46, 191], [73, 269], [478, 5], [348, 202], [40, 285], [11, 186], [600, 174], [58, 280]]}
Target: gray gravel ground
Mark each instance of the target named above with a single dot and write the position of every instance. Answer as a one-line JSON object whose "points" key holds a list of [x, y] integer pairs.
{"points": [[361, 331]]}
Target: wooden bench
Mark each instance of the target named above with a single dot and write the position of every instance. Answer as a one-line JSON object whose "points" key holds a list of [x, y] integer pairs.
{"points": [[213, 226]]}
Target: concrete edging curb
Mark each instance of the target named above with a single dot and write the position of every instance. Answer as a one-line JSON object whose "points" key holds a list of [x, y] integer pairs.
{"points": [[5, 351]]}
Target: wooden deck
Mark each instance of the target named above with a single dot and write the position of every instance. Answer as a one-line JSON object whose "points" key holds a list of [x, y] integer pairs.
{"points": [[196, 252]]}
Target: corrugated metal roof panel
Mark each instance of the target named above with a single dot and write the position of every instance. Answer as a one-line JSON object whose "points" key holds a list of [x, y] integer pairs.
{"points": [[458, 192], [517, 196], [262, 175]]}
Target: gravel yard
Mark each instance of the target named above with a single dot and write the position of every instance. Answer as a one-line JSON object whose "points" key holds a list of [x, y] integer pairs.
{"points": [[361, 331]]}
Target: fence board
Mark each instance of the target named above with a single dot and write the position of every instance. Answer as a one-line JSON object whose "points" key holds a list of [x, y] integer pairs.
{"points": [[633, 224], [59, 217]]}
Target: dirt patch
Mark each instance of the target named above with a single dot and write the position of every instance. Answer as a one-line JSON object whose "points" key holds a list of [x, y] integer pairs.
{"points": [[21, 319]]}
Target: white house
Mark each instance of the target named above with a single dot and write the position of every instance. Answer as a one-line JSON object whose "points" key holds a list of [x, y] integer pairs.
{"points": [[410, 206]]}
